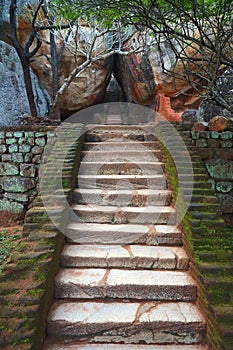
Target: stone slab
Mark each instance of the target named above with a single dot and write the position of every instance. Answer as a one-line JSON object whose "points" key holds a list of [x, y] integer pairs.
{"points": [[135, 198], [126, 146], [128, 256], [77, 283], [123, 234], [123, 215], [128, 156], [153, 322], [123, 347], [121, 168], [153, 182]]}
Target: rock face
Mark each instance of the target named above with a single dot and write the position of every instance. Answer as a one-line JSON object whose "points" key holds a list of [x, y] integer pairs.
{"points": [[143, 81], [86, 89], [14, 103], [135, 76], [189, 118]]}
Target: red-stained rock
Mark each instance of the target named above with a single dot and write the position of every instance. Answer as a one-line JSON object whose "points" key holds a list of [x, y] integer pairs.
{"points": [[163, 107], [135, 76]]}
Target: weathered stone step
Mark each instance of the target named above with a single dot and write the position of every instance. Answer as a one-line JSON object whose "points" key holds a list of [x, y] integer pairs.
{"points": [[127, 256], [122, 347], [123, 146], [109, 129], [88, 233], [121, 168], [77, 283], [122, 181], [127, 156], [123, 215], [119, 322], [134, 198], [119, 136]]}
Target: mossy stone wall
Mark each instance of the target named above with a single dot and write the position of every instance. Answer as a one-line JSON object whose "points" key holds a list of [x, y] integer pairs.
{"points": [[21, 150]]}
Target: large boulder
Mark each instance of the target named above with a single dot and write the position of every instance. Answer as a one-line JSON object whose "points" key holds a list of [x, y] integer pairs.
{"points": [[88, 87], [219, 123], [143, 79], [135, 75], [14, 103]]}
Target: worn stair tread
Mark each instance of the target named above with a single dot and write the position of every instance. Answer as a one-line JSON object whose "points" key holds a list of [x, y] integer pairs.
{"points": [[128, 155], [122, 347], [133, 256], [121, 168], [118, 214], [108, 145], [122, 197], [94, 181], [121, 177], [95, 283], [125, 127], [147, 209], [144, 181], [123, 234], [111, 319]]}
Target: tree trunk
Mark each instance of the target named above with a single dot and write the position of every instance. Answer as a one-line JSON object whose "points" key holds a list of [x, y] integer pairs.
{"points": [[28, 86], [55, 112]]}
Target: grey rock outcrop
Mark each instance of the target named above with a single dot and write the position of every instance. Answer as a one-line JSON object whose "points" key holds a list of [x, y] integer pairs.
{"points": [[13, 99]]}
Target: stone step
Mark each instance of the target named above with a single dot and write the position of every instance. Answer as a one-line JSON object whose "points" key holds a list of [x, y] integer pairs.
{"points": [[78, 346], [123, 146], [154, 182], [119, 136], [127, 256], [124, 322], [92, 283], [89, 233], [126, 156], [123, 215], [120, 129], [135, 198], [121, 168]]}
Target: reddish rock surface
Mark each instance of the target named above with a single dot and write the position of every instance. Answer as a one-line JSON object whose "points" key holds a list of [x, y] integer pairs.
{"points": [[87, 89]]}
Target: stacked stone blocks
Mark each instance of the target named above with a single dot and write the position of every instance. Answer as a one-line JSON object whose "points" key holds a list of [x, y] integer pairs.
{"points": [[20, 157]]}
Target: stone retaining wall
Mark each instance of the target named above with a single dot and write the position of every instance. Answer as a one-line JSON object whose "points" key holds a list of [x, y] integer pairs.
{"points": [[216, 150], [27, 281], [21, 151], [207, 238]]}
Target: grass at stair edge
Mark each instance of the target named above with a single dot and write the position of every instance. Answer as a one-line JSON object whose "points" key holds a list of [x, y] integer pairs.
{"points": [[209, 245], [26, 282], [207, 242]]}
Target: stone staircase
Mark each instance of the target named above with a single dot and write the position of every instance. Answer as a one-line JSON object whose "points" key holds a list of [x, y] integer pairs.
{"points": [[124, 282]]}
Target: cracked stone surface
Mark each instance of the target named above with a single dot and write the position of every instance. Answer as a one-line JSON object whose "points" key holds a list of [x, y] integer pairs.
{"points": [[126, 146], [124, 282], [128, 284], [124, 347], [136, 198], [128, 256], [123, 215], [178, 320], [121, 167], [118, 182], [134, 284], [128, 156], [124, 234]]}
